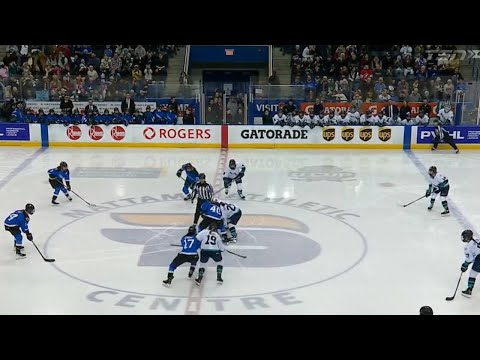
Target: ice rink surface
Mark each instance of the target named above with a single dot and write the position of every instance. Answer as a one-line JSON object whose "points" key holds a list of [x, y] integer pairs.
{"points": [[324, 232]]}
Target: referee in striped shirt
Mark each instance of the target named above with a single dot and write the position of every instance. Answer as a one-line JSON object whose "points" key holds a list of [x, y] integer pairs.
{"points": [[204, 191]]}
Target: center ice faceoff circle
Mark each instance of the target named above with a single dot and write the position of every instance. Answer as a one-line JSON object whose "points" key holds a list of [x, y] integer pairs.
{"points": [[127, 248]]}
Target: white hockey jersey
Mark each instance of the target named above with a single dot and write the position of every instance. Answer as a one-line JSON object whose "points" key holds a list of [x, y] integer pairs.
{"points": [[446, 117], [312, 119], [438, 181], [233, 173], [471, 250], [297, 119], [421, 120], [353, 117], [210, 240], [228, 210], [366, 120], [277, 119]]}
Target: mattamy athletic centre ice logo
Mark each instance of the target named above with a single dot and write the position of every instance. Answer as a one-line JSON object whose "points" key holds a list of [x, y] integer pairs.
{"points": [[124, 255]]}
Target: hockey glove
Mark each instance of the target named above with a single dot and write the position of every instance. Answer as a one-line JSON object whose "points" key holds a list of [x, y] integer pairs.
{"points": [[464, 266], [69, 188], [29, 236], [428, 193], [179, 173]]}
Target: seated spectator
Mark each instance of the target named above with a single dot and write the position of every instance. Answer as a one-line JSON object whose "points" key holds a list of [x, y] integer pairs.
{"points": [[384, 96], [414, 96]]}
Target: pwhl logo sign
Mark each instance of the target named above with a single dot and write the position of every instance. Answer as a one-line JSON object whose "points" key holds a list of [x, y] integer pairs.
{"points": [[134, 234]]}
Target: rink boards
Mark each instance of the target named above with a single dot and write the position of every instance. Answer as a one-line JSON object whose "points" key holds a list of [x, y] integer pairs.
{"points": [[235, 136]]}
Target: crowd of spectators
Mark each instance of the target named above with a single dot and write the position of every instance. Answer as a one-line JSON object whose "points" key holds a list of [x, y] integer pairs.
{"points": [[128, 113], [376, 73], [83, 72]]}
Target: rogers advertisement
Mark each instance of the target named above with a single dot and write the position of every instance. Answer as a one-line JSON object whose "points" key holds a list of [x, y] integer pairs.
{"points": [[135, 134]]}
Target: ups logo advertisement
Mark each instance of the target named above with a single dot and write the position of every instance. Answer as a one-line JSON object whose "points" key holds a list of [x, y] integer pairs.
{"points": [[366, 134], [385, 134], [329, 134], [348, 133]]}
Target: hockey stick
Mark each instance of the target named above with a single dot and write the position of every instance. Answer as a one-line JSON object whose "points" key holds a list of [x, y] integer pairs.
{"points": [[450, 298], [89, 204], [414, 201], [47, 260], [242, 256], [216, 192], [231, 252]]}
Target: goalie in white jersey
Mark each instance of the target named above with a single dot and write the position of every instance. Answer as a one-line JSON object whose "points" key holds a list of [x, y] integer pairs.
{"points": [[235, 171], [472, 250], [211, 248], [438, 185], [231, 214]]}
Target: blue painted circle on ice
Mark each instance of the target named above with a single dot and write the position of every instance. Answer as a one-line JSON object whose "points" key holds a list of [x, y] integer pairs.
{"points": [[357, 262]]}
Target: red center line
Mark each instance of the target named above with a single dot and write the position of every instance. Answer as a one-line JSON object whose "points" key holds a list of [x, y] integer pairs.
{"points": [[195, 295]]}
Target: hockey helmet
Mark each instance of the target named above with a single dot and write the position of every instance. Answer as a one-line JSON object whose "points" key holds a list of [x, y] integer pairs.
{"points": [[232, 164], [432, 171], [467, 235], [192, 230], [30, 209]]}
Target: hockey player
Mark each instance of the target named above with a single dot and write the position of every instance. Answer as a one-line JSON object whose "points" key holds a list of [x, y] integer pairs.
{"points": [[442, 135], [188, 254], [472, 249], [311, 119], [353, 116], [234, 172], [343, 119], [421, 119], [211, 247], [280, 118], [446, 115], [381, 119], [367, 119], [329, 119], [17, 222], [190, 180], [438, 185], [426, 310], [56, 177], [231, 214], [300, 119]]}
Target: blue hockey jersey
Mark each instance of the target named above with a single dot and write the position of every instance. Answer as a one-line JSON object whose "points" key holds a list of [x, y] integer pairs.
{"points": [[58, 174], [18, 218], [190, 245]]}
